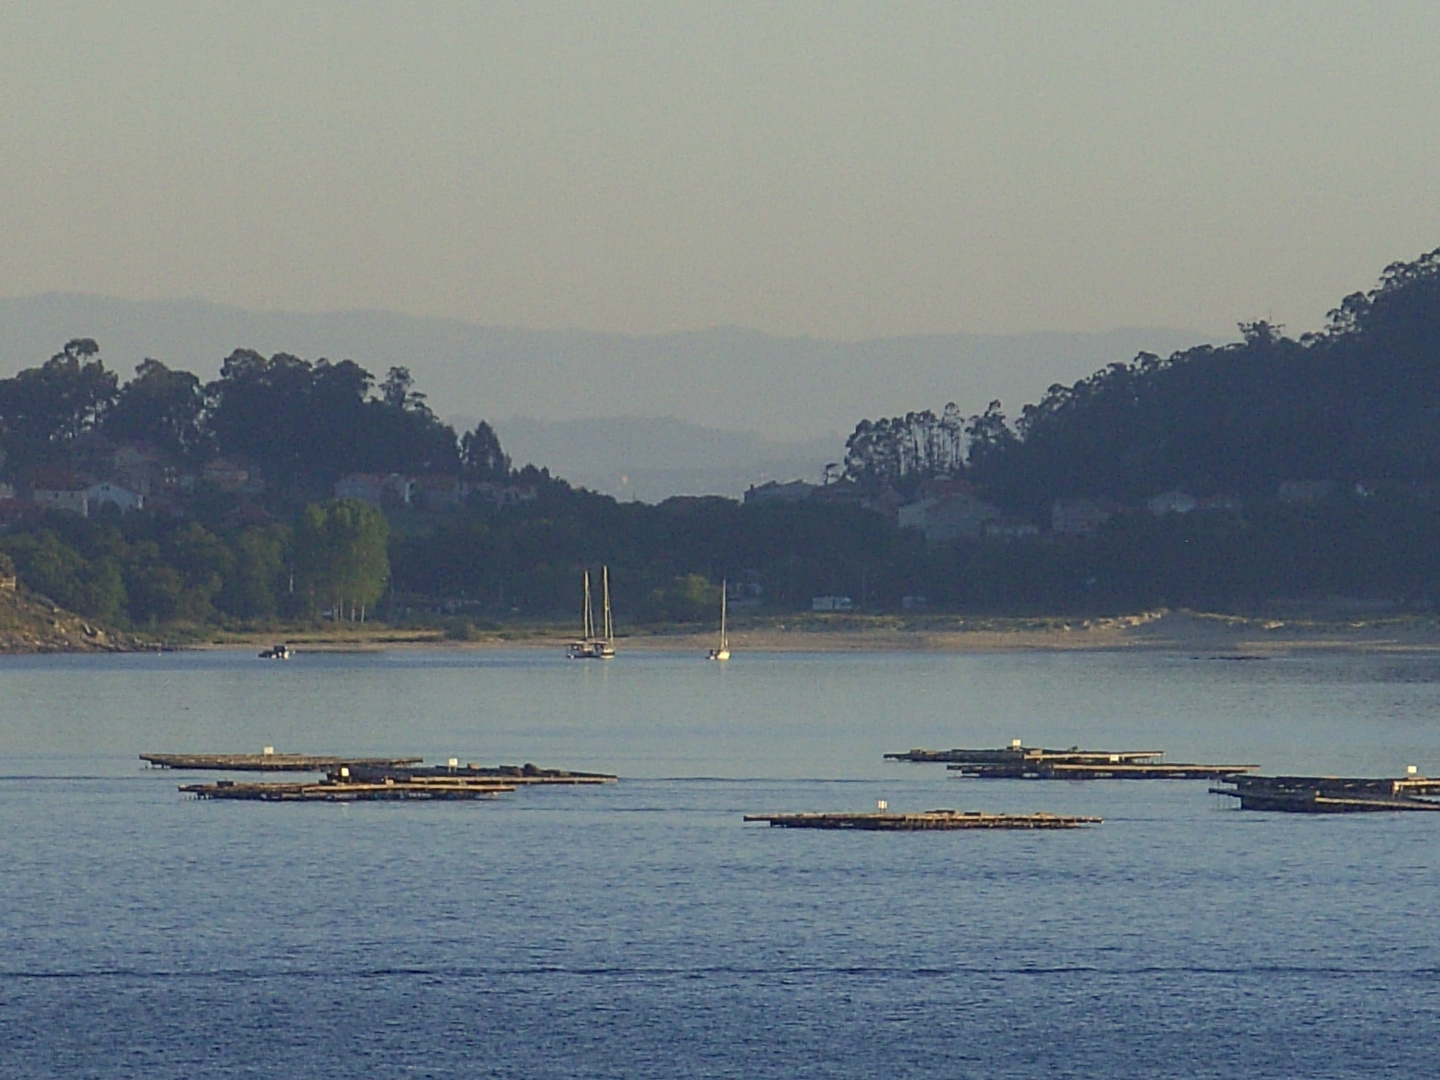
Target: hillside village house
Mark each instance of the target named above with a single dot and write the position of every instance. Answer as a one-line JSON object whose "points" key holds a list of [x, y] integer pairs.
{"points": [[108, 494], [1172, 502], [1181, 502], [503, 495], [138, 469], [949, 518], [1080, 517], [439, 490], [363, 486], [1010, 529], [231, 477], [62, 500], [59, 488], [377, 489], [434, 491]]}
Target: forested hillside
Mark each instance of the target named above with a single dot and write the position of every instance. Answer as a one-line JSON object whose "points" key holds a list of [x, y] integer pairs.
{"points": [[165, 500], [1285, 467], [1356, 402]]}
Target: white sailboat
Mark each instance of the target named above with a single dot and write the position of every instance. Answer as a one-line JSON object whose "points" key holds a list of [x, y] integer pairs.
{"points": [[590, 646], [723, 652]]}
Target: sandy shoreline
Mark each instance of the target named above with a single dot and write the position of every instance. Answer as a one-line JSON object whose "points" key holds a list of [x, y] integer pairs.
{"points": [[1173, 631]]}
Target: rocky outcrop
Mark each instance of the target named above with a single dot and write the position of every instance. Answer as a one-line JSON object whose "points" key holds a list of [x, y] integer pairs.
{"points": [[29, 623]]}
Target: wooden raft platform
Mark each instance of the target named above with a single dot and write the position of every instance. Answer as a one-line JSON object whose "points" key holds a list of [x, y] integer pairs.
{"points": [[1332, 794], [1018, 762], [929, 819], [347, 792], [269, 762], [1068, 770], [514, 775], [1015, 753]]}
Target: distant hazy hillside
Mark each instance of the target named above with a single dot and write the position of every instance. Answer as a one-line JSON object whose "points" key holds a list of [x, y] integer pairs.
{"points": [[726, 378], [650, 460]]}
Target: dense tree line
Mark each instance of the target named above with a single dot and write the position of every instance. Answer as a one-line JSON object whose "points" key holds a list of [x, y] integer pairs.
{"points": [[529, 558], [151, 570], [301, 424], [901, 450], [1357, 402], [1384, 545]]}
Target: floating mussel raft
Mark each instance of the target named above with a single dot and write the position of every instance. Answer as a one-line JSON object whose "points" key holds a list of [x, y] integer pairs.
{"points": [[1332, 794], [882, 821], [514, 775], [333, 789], [268, 761], [364, 779], [1018, 762]]}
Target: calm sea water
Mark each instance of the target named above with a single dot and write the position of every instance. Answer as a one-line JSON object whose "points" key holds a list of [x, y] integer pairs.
{"points": [[641, 930]]}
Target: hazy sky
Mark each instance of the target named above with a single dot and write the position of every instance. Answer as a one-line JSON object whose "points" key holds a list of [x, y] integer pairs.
{"points": [[842, 170]]}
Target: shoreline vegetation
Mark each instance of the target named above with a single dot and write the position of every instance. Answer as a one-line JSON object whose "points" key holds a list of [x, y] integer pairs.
{"points": [[1206, 634], [31, 623]]}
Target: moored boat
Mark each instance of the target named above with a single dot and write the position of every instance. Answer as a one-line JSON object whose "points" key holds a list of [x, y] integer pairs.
{"points": [[592, 646], [723, 651]]}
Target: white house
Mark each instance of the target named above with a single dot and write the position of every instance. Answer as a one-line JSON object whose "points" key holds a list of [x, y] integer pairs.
{"points": [[106, 493], [65, 500], [946, 519], [502, 495], [377, 489], [1172, 502]]}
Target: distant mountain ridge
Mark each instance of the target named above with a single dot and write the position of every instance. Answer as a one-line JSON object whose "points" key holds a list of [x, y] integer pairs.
{"points": [[651, 459], [726, 379]]}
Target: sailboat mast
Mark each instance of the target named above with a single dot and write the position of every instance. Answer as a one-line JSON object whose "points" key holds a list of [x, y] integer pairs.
{"points": [[588, 615], [605, 581], [723, 590]]}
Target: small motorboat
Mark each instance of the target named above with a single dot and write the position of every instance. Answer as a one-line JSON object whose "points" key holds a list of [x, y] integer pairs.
{"points": [[277, 652]]}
